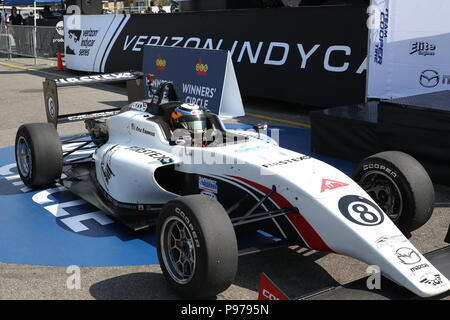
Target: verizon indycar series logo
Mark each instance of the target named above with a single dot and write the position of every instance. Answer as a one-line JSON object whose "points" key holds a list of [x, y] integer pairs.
{"points": [[80, 42]]}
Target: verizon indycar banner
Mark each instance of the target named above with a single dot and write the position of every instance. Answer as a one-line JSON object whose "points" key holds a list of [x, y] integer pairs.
{"points": [[311, 55], [409, 48]]}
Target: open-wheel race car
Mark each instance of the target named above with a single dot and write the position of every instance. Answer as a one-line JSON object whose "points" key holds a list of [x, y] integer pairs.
{"points": [[175, 166]]}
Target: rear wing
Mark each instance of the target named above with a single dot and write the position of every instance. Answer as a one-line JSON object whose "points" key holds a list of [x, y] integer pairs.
{"points": [[135, 90]]}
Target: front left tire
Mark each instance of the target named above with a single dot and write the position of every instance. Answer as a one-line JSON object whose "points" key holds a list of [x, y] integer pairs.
{"points": [[197, 246], [38, 155]]}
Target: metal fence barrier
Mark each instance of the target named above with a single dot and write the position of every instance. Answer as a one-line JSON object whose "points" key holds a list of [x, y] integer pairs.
{"points": [[29, 41]]}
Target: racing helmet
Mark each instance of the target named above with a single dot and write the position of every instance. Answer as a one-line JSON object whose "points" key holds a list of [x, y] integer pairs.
{"points": [[190, 117]]}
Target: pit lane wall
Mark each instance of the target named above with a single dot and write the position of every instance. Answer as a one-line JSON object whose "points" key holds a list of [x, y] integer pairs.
{"points": [[311, 55], [409, 48]]}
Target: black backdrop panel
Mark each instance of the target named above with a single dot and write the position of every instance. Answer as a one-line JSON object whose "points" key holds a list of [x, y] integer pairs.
{"points": [[335, 37]]}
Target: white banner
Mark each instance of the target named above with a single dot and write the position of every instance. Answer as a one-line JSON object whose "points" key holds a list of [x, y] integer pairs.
{"points": [[88, 40], [409, 48]]}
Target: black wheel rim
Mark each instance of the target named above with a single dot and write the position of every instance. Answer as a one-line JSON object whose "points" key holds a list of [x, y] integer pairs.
{"points": [[177, 250], [384, 191], [23, 155]]}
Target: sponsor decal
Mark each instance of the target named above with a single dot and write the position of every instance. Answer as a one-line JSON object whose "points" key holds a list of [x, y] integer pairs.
{"points": [[360, 210], [105, 164], [139, 106], [407, 256], [60, 28], [101, 77], [431, 279], [382, 36], [247, 149], [209, 194], [419, 267], [92, 115], [201, 68], [288, 161], [80, 42], [160, 63], [152, 154], [384, 241], [422, 48], [207, 184], [142, 130], [268, 290], [429, 78], [328, 184]]}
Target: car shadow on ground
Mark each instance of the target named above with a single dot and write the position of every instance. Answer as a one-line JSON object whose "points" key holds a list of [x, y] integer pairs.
{"points": [[293, 269], [134, 286]]}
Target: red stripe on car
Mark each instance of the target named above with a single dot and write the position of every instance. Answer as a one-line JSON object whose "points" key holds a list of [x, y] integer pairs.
{"points": [[311, 237]]}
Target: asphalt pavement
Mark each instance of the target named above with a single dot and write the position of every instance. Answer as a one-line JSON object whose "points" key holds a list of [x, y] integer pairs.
{"points": [[296, 270]]}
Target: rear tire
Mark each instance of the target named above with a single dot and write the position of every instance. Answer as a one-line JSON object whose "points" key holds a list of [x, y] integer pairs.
{"points": [[197, 246], [400, 185], [38, 154]]}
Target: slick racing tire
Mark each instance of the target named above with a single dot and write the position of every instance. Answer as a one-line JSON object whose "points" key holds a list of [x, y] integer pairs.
{"points": [[400, 186], [38, 155], [197, 247]]}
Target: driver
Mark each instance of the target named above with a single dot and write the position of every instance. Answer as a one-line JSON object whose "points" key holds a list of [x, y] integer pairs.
{"points": [[192, 118]]}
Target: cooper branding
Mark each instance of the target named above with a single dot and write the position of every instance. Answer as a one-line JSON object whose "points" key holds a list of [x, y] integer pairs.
{"points": [[189, 225], [380, 167], [382, 36]]}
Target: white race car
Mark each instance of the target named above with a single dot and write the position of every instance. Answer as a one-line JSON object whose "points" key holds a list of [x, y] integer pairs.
{"points": [[203, 192]]}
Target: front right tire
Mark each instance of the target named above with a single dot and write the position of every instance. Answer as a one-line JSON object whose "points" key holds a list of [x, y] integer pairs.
{"points": [[400, 185]]}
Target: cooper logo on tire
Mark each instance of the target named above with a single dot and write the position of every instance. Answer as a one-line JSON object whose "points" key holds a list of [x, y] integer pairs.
{"points": [[189, 225], [360, 210]]}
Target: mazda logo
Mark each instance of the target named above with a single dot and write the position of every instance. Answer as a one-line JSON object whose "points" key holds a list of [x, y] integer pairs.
{"points": [[429, 78], [407, 256]]}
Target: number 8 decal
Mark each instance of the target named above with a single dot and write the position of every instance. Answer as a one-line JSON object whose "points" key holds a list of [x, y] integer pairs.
{"points": [[360, 211]]}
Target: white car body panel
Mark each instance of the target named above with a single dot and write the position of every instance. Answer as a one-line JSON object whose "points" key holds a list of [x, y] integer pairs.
{"points": [[310, 185]]}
